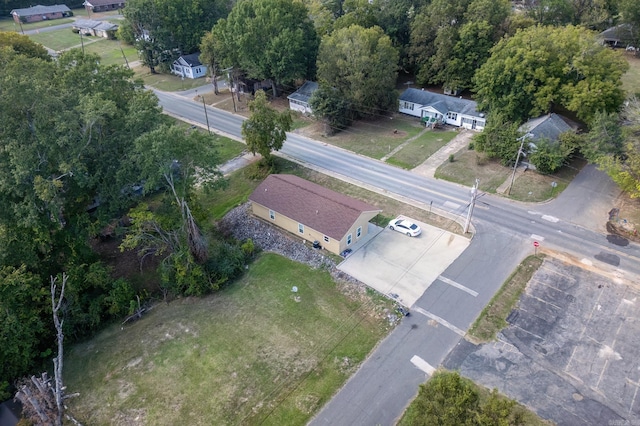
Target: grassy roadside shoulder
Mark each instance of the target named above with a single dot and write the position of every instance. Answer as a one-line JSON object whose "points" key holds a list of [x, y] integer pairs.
{"points": [[493, 317]]}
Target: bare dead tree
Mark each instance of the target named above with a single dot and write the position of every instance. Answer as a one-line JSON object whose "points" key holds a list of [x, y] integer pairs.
{"points": [[42, 401]]}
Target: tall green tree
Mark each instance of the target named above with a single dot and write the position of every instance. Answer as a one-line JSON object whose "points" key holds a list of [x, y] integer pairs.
{"points": [[163, 29], [329, 106], [542, 67], [500, 139], [630, 14], [23, 45], [268, 39], [266, 130], [361, 64]]}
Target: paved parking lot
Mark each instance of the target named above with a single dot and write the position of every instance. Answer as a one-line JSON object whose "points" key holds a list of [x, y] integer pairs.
{"points": [[571, 351], [395, 264]]}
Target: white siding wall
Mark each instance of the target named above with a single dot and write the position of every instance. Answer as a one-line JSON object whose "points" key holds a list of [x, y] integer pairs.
{"points": [[299, 106], [410, 108]]}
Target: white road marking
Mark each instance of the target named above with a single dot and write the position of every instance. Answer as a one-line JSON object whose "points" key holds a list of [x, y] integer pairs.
{"points": [[537, 237], [422, 365], [458, 286], [451, 205], [586, 262], [440, 321], [550, 218]]}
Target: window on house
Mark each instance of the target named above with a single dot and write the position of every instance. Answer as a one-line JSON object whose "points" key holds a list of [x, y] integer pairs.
{"points": [[301, 228], [326, 239], [359, 232], [349, 239], [272, 215], [452, 116]]}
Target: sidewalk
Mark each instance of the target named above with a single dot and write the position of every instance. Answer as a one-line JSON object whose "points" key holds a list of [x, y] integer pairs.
{"points": [[428, 168]]}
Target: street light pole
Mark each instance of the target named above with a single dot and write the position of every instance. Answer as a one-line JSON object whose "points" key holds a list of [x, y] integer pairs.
{"points": [[472, 203]]}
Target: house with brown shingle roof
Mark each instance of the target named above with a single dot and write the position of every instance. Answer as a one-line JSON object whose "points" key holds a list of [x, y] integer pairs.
{"points": [[312, 212]]}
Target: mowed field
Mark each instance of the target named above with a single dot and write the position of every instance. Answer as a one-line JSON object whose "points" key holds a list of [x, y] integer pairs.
{"points": [[254, 353]]}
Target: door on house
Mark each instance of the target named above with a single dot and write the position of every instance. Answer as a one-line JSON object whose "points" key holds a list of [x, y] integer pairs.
{"points": [[473, 124]]}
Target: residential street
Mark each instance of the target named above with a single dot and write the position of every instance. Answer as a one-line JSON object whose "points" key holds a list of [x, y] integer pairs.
{"points": [[505, 231]]}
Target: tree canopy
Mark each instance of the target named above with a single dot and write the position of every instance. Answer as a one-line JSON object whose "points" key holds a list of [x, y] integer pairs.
{"points": [[268, 39], [542, 67], [362, 65], [266, 130]]}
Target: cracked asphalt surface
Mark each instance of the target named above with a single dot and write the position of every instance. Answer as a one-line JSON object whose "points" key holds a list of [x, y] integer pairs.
{"points": [[570, 351]]}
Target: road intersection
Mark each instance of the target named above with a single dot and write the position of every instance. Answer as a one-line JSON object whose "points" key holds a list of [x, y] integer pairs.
{"points": [[505, 232]]}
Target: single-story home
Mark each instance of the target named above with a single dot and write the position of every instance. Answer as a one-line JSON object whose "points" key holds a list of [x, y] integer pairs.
{"points": [[438, 108], [103, 5], [312, 212], [623, 35], [41, 13], [95, 28], [547, 127], [189, 66], [299, 100]]}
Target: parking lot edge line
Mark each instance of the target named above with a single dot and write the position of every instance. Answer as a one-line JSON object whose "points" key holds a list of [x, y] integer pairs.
{"points": [[423, 365], [440, 321]]}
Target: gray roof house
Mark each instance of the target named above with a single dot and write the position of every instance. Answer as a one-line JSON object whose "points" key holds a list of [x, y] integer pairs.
{"points": [[547, 127], [95, 28], [299, 100], [435, 108], [189, 66], [41, 13], [623, 35]]}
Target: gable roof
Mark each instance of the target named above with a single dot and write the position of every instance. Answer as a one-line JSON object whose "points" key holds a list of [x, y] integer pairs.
{"points": [[548, 127], [303, 94], [441, 102], [312, 205], [623, 33], [93, 3], [96, 25], [192, 60], [40, 10]]}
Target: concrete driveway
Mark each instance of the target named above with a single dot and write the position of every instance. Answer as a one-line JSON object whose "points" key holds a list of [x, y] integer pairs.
{"points": [[403, 267]]}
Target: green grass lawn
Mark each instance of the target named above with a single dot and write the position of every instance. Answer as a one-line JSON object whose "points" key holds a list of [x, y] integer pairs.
{"points": [[254, 353], [631, 79], [167, 82], [418, 150], [375, 138], [61, 39], [110, 53]]}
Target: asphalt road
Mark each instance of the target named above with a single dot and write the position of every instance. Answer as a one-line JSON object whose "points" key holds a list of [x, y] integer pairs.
{"points": [[505, 231]]}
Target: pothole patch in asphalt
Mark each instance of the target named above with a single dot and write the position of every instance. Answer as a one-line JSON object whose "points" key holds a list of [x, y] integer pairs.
{"points": [[609, 258], [617, 240]]}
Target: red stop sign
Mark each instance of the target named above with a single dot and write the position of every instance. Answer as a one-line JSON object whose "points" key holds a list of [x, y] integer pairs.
{"points": [[536, 244]]}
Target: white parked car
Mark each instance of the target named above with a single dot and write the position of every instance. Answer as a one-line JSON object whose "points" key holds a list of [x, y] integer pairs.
{"points": [[405, 226]]}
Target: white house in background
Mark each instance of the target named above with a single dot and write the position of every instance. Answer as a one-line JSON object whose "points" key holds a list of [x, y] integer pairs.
{"points": [[437, 108], [299, 100], [189, 66]]}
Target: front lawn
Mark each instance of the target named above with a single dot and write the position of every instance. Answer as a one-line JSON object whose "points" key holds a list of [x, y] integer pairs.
{"points": [[417, 151], [110, 53], [254, 353], [62, 39], [167, 82]]}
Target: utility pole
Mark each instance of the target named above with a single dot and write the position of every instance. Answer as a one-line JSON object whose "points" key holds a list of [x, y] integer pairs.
{"points": [[472, 203], [206, 116], [515, 166], [81, 41]]}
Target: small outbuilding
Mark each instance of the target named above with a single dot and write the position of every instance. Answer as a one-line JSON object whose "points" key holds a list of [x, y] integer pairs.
{"points": [[41, 13], [95, 28], [435, 108], [299, 100], [312, 212], [189, 66]]}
